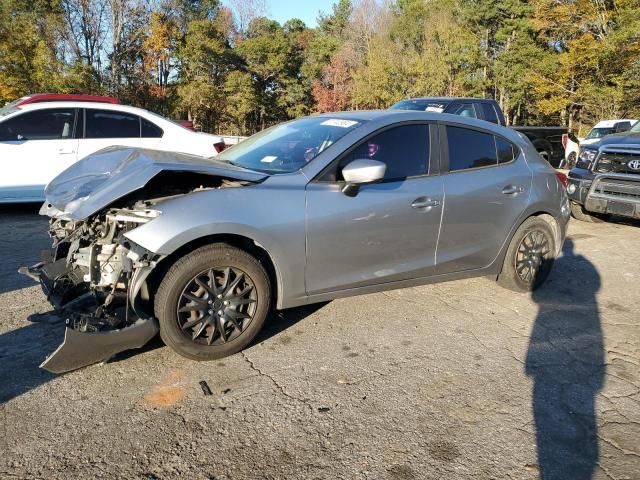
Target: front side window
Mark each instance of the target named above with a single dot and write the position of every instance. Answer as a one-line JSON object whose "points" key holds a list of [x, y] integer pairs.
{"points": [[404, 149], [464, 110], [111, 124], [48, 124], [474, 149], [422, 105], [289, 146]]}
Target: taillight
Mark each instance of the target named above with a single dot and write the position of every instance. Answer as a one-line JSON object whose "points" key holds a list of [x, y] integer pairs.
{"points": [[220, 146], [565, 140], [562, 178]]}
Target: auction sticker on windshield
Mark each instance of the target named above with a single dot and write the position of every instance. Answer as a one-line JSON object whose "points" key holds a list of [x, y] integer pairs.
{"points": [[338, 122]]}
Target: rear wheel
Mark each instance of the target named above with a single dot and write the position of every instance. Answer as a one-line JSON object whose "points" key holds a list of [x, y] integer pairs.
{"points": [[579, 213], [530, 256], [212, 302]]}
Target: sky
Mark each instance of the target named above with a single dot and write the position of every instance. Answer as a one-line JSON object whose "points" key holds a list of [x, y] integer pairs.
{"points": [[305, 10]]}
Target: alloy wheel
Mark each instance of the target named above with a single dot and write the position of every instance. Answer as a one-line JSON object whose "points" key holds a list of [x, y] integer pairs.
{"points": [[532, 256], [217, 305]]}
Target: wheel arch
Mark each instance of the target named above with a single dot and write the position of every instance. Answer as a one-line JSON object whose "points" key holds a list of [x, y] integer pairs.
{"points": [[241, 242], [549, 218]]}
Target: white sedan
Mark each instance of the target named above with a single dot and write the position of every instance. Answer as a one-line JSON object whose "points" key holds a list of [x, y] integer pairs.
{"points": [[40, 138]]}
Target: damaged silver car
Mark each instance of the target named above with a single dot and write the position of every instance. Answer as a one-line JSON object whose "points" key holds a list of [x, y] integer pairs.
{"points": [[323, 207]]}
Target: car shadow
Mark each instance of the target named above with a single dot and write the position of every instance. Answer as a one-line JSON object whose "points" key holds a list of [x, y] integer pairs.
{"points": [[629, 222], [21, 352], [565, 360], [279, 321], [23, 235], [276, 323]]}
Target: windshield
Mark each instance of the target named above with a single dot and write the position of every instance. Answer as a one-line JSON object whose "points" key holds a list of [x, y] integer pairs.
{"points": [[8, 108], [289, 146], [600, 132], [421, 105], [636, 127]]}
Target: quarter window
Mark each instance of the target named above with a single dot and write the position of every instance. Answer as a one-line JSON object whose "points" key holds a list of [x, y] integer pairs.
{"points": [[404, 149], [48, 124], [506, 150], [111, 124], [149, 130]]}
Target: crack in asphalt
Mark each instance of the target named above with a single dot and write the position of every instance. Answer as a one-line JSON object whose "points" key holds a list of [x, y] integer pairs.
{"points": [[618, 447], [279, 387]]}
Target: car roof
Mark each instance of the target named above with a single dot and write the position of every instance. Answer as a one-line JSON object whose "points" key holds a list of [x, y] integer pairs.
{"points": [[612, 123], [93, 106], [447, 99], [63, 97]]}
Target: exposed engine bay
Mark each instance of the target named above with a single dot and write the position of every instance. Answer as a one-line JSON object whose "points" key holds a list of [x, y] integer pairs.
{"points": [[95, 277]]}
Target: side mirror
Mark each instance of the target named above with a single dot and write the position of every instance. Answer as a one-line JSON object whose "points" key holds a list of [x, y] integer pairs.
{"points": [[360, 172]]}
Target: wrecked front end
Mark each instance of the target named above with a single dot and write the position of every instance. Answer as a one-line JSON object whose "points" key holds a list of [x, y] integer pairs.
{"points": [[96, 278], [89, 276]]}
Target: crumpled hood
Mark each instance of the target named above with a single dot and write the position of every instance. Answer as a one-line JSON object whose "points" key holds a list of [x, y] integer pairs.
{"points": [[105, 176]]}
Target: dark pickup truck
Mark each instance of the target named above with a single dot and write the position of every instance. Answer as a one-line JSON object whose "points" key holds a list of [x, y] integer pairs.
{"points": [[548, 141], [606, 178]]}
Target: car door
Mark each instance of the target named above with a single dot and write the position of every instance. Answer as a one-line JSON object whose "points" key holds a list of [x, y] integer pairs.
{"points": [[106, 128], [35, 146], [486, 187], [389, 230]]}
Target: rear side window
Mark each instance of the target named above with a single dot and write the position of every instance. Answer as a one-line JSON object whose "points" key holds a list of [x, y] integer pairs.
{"points": [[111, 124], [473, 149], [404, 149], [150, 130], [49, 124], [489, 112], [470, 149]]}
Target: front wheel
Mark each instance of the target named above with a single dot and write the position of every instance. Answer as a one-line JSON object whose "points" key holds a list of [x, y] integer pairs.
{"points": [[212, 302], [530, 256]]}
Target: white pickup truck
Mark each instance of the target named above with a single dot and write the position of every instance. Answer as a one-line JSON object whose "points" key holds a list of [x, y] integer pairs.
{"points": [[601, 129]]}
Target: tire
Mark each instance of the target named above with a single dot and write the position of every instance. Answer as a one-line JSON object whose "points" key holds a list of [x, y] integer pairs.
{"points": [[579, 213], [571, 161], [201, 322], [523, 270]]}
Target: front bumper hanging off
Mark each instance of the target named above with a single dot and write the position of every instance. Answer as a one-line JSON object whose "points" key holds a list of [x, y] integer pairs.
{"points": [[80, 349]]}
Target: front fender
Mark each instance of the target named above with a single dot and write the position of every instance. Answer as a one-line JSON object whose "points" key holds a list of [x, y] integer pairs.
{"points": [[274, 218]]}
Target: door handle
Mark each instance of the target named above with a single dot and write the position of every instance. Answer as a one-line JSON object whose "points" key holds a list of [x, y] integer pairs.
{"points": [[424, 202], [66, 151], [512, 190]]}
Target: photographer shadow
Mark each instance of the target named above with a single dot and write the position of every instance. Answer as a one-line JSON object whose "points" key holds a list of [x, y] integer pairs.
{"points": [[565, 359]]}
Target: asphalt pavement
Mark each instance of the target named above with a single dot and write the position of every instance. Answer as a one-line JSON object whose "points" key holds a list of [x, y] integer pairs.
{"points": [[457, 380]]}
